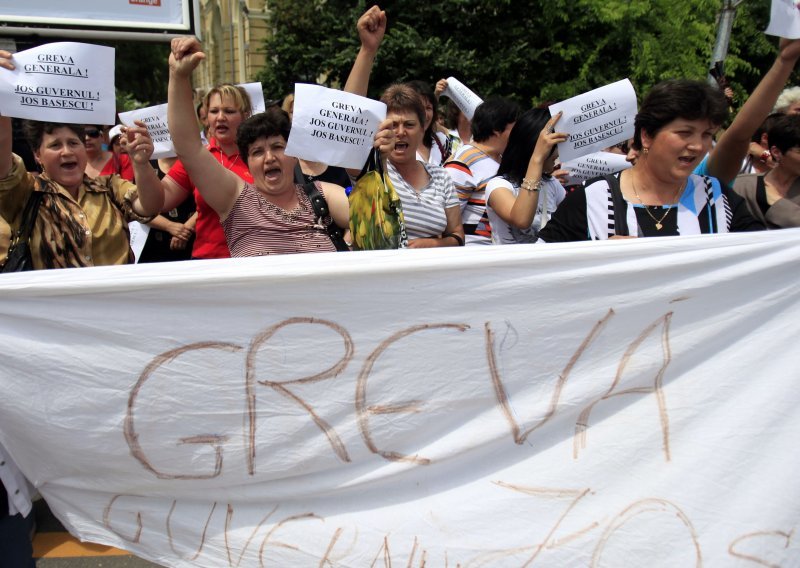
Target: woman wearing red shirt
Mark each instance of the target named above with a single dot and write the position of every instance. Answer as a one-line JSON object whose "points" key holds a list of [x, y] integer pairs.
{"points": [[227, 105]]}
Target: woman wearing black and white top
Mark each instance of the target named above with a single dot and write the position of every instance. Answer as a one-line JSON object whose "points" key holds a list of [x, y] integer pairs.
{"points": [[524, 194], [659, 196]]}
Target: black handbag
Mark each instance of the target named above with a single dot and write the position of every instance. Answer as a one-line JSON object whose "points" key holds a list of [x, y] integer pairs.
{"points": [[19, 253]]}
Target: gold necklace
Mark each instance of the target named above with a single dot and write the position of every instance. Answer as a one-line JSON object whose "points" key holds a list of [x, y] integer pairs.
{"points": [[658, 222], [230, 165]]}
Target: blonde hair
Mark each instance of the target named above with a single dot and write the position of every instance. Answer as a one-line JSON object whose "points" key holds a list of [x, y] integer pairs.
{"points": [[237, 94], [288, 103]]}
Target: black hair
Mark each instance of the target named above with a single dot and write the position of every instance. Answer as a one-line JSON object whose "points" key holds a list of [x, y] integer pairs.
{"points": [[426, 92], [521, 142], [765, 126], [785, 132], [35, 131], [451, 112], [272, 122], [678, 98], [493, 115]]}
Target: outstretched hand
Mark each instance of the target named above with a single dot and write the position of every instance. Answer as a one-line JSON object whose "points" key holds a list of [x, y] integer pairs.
{"points": [[138, 142], [547, 139], [185, 55], [371, 28]]}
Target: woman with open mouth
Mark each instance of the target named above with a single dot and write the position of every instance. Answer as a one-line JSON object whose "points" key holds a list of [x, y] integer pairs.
{"points": [[431, 210], [659, 196], [227, 106], [271, 215], [79, 221]]}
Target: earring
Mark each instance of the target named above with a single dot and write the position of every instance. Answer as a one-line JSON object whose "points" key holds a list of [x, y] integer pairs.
{"points": [[645, 150]]}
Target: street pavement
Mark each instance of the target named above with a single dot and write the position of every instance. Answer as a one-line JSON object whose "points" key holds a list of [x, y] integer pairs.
{"points": [[53, 547]]}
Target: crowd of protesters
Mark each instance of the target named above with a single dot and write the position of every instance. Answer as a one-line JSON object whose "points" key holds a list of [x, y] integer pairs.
{"points": [[494, 180]]}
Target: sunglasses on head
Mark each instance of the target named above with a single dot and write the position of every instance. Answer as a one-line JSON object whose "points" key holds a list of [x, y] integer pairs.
{"points": [[93, 133]]}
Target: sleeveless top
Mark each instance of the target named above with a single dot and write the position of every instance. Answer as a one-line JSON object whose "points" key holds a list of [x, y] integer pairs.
{"points": [[256, 227]]}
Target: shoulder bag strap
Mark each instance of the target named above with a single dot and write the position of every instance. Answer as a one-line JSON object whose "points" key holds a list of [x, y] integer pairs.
{"points": [[299, 178], [321, 210], [23, 235]]}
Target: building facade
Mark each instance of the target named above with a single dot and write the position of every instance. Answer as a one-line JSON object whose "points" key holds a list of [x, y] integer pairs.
{"points": [[233, 33]]}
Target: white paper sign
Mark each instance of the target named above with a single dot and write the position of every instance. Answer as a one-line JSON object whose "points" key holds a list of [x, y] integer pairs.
{"points": [[638, 410], [784, 19], [139, 234], [333, 127], [61, 82], [596, 120], [155, 118], [465, 99], [594, 165], [256, 94]]}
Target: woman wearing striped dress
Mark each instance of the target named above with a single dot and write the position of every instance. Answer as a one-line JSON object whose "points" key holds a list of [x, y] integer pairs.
{"points": [[272, 215]]}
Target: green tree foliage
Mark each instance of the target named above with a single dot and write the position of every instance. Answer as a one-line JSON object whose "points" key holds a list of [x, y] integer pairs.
{"points": [[531, 50], [141, 74]]}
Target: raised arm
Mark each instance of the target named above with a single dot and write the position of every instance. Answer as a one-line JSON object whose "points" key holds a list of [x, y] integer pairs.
{"points": [[371, 29], [519, 211], [218, 186], [140, 147], [725, 160]]}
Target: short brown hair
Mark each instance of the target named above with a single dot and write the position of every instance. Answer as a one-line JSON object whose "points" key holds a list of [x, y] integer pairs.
{"points": [[35, 131], [400, 97]]}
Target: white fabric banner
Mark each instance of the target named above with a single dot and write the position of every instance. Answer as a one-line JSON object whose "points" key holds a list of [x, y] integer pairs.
{"points": [[619, 403], [61, 82], [596, 120], [333, 127]]}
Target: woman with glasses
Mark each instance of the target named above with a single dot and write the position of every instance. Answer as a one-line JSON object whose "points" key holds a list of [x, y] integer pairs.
{"points": [[100, 160]]}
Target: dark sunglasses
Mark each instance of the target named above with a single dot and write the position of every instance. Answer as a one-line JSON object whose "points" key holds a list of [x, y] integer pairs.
{"points": [[624, 147], [93, 133]]}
